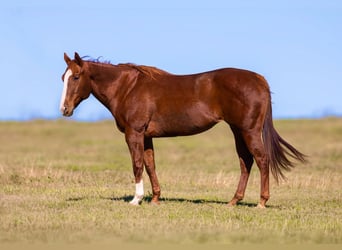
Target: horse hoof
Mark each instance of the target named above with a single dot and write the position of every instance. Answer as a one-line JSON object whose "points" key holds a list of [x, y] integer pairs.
{"points": [[155, 203], [231, 205], [233, 202], [136, 201], [261, 206]]}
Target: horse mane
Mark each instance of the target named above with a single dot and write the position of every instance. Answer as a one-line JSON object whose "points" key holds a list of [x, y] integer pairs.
{"points": [[146, 70], [96, 60], [149, 71]]}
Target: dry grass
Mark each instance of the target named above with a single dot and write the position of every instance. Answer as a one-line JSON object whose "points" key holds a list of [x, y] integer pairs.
{"points": [[63, 181]]}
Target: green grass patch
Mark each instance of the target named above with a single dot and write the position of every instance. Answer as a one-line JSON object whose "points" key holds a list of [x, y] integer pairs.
{"points": [[70, 182]]}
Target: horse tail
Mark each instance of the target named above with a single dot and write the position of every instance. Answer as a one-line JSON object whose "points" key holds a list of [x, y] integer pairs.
{"points": [[277, 149]]}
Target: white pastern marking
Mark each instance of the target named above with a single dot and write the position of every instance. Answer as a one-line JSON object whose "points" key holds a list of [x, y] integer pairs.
{"points": [[139, 193], [65, 88], [139, 188]]}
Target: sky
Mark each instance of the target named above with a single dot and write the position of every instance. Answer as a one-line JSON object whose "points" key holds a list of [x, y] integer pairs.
{"points": [[295, 45]]}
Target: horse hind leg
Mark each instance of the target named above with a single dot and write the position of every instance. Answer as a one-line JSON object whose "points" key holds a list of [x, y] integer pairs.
{"points": [[246, 162], [255, 145]]}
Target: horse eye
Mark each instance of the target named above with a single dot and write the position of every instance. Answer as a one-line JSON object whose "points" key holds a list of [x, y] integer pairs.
{"points": [[76, 77]]}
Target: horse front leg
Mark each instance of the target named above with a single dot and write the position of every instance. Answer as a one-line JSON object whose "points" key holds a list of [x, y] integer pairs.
{"points": [[135, 142], [151, 169]]}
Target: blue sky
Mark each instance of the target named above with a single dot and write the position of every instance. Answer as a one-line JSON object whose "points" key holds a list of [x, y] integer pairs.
{"points": [[296, 45]]}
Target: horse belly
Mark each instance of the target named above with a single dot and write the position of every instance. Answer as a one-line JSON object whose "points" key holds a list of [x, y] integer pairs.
{"points": [[189, 121]]}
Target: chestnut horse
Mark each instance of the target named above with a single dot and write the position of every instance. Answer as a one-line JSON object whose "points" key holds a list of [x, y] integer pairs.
{"points": [[147, 102]]}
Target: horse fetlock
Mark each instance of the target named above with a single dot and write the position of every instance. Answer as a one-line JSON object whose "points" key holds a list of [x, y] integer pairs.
{"points": [[156, 192], [263, 200]]}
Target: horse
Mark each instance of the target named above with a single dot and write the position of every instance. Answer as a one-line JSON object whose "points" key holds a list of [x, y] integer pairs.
{"points": [[147, 102]]}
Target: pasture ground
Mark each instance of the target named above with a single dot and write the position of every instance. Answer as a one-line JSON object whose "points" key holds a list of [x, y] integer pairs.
{"points": [[68, 182]]}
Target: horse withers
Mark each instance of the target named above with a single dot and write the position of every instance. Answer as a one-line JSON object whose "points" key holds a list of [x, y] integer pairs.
{"points": [[147, 102]]}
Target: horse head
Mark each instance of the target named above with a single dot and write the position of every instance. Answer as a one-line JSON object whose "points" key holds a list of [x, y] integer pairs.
{"points": [[77, 85]]}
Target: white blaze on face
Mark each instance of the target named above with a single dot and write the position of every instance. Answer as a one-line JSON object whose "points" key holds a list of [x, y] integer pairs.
{"points": [[139, 193], [65, 88]]}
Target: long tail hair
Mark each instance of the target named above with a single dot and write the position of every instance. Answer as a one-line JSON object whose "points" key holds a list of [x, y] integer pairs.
{"points": [[278, 150]]}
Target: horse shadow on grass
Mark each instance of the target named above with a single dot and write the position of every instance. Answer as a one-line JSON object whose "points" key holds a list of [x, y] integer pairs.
{"points": [[148, 199]]}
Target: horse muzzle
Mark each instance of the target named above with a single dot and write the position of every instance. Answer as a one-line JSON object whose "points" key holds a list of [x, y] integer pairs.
{"points": [[66, 111]]}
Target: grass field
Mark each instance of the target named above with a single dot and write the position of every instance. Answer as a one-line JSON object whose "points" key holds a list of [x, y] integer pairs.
{"points": [[63, 181]]}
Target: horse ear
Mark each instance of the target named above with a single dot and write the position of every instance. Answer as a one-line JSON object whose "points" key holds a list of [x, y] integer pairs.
{"points": [[67, 59], [78, 59]]}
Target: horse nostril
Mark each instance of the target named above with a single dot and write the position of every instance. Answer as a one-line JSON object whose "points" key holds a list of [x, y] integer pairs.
{"points": [[64, 110]]}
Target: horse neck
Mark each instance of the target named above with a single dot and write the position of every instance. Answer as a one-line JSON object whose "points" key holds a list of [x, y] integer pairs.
{"points": [[111, 83]]}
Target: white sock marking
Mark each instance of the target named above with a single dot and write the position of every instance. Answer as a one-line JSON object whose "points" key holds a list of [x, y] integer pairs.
{"points": [[139, 193], [65, 88]]}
